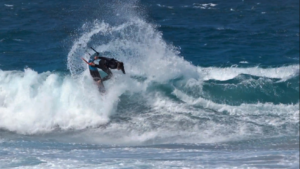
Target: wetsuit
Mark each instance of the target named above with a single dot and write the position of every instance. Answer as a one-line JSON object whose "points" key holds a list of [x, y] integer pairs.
{"points": [[93, 71], [96, 75], [105, 64]]}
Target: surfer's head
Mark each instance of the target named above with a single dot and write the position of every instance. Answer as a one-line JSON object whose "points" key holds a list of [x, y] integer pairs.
{"points": [[121, 67]]}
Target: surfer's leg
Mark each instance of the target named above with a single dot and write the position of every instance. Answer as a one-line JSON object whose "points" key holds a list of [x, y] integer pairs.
{"points": [[109, 74], [97, 78]]}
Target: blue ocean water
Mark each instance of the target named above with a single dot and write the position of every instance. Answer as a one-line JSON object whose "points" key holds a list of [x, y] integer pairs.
{"points": [[208, 84]]}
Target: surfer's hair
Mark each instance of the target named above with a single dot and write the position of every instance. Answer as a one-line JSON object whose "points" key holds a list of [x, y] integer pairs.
{"points": [[121, 66]]}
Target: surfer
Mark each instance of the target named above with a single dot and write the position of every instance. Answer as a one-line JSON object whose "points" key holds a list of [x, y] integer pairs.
{"points": [[94, 72], [106, 64]]}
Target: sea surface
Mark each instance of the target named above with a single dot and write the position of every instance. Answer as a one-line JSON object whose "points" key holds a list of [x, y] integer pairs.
{"points": [[208, 84]]}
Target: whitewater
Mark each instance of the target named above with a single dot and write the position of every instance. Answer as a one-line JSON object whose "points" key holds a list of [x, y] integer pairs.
{"points": [[166, 112]]}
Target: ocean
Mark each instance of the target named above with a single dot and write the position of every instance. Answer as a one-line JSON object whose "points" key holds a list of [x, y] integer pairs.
{"points": [[208, 84]]}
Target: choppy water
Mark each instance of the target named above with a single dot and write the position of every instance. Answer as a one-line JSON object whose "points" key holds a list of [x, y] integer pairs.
{"points": [[207, 85]]}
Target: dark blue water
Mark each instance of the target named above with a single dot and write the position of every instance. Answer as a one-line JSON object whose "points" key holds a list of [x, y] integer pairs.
{"points": [[263, 33], [208, 84]]}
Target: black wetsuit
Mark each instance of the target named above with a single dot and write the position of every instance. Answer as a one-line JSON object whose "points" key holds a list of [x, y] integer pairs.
{"points": [[96, 75], [105, 64]]}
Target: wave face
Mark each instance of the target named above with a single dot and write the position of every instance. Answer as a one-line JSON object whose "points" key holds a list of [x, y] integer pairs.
{"points": [[163, 98]]}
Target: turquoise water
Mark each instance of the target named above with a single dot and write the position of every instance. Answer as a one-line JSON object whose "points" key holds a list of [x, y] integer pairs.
{"points": [[208, 84]]}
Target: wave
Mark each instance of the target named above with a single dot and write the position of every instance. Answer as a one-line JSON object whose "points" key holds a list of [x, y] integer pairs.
{"points": [[148, 104], [223, 74], [130, 113], [37, 103]]}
